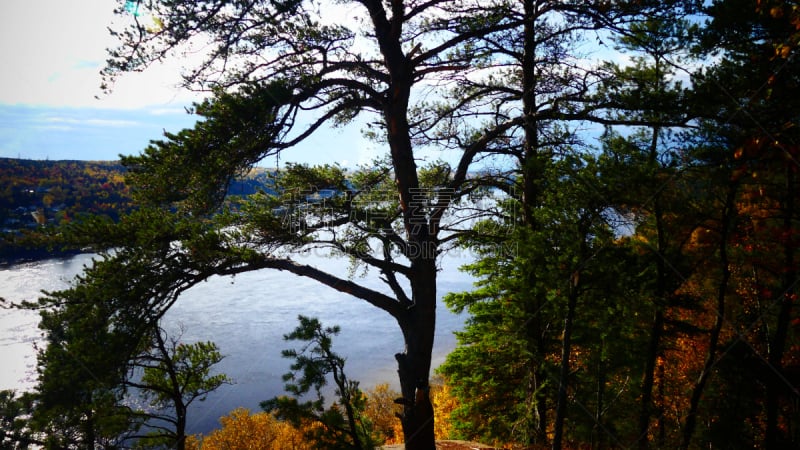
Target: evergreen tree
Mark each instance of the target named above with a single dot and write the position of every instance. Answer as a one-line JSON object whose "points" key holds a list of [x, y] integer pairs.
{"points": [[15, 428], [269, 62], [341, 425], [275, 60], [642, 96], [572, 255], [580, 239], [99, 331], [173, 376]]}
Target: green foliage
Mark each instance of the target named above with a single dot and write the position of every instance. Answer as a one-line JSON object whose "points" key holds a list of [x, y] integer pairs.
{"points": [[341, 425], [190, 365], [596, 269], [15, 427], [504, 370], [195, 166], [173, 376], [97, 329], [80, 392], [679, 206], [79, 201]]}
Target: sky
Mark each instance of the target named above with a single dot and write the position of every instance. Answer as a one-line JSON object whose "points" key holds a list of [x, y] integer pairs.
{"points": [[51, 54]]}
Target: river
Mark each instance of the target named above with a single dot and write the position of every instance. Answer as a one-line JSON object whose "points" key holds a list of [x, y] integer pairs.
{"points": [[246, 317]]}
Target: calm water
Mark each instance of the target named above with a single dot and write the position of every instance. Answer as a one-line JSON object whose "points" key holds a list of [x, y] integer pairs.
{"points": [[246, 317]]}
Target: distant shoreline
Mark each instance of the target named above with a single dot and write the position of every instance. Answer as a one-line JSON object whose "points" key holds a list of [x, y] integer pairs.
{"points": [[19, 257]]}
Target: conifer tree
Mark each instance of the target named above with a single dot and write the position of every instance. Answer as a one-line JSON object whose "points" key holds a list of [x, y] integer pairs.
{"points": [[341, 425]]}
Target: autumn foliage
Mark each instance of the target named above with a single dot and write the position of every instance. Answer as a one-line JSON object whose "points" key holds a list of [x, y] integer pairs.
{"points": [[245, 430]]}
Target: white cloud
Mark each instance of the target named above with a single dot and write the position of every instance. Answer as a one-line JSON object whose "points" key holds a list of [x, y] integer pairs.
{"points": [[112, 123], [92, 122], [55, 128], [52, 52]]}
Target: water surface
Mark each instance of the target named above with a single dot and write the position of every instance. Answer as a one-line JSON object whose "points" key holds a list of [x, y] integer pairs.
{"points": [[246, 316]]}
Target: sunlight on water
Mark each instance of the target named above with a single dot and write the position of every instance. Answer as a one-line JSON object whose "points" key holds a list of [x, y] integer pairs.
{"points": [[18, 329]]}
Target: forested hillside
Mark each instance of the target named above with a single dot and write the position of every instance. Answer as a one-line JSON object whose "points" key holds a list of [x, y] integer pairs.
{"points": [[59, 190], [38, 194]]}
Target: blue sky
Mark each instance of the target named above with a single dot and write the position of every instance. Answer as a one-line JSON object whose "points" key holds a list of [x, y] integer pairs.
{"points": [[52, 52], [55, 132]]}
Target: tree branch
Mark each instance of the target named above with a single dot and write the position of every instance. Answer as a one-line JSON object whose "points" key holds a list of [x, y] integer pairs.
{"points": [[375, 298]]}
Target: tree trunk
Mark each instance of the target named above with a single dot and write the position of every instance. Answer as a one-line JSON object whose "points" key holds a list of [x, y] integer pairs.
{"points": [[180, 428], [566, 352], [661, 411], [418, 325], [537, 432], [776, 381], [90, 438], [531, 165], [713, 341], [418, 321], [598, 430], [347, 402], [657, 330], [648, 379]]}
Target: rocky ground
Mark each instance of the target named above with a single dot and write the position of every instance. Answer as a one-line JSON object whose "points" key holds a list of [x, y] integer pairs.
{"points": [[446, 445]]}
